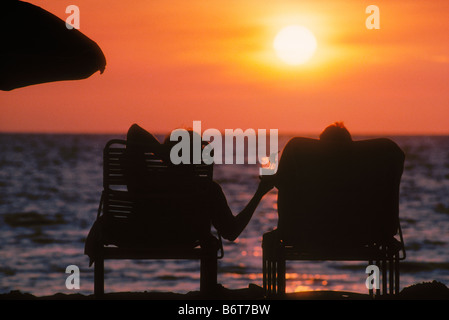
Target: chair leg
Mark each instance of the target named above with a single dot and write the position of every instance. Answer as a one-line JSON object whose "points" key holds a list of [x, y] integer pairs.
{"points": [[384, 277], [396, 270], [281, 276], [208, 274], [378, 288], [99, 277], [269, 277], [391, 275], [274, 277], [264, 275], [370, 290], [384, 271]]}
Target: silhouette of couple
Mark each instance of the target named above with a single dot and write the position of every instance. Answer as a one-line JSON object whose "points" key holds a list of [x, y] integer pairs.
{"points": [[221, 216], [332, 191]]}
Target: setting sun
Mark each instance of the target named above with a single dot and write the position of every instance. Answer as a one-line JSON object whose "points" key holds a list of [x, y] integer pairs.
{"points": [[295, 44]]}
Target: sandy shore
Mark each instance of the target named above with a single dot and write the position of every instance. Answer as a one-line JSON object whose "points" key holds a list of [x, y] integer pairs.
{"points": [[423, 291]]}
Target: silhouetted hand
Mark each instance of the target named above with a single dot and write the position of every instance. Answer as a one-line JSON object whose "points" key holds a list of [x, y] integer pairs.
{"points": [[266, 183]]}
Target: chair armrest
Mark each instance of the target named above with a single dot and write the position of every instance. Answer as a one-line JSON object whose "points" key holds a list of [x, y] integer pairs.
{"points": [[220, 244], [100, 205], [402, 243]]}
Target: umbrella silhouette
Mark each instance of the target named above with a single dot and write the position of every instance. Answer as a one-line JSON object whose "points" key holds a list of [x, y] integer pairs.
{"points": [[37, 47]]}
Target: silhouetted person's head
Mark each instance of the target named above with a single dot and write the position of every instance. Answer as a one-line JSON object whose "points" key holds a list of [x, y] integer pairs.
{"points": [[193, 136], [336, 132]]}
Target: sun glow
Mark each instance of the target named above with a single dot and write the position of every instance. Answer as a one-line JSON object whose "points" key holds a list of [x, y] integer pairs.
{"points": [[295, 44]]}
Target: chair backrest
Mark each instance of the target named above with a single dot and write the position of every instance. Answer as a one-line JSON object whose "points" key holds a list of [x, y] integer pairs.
{"points": [[339, 193], [149, 201]]}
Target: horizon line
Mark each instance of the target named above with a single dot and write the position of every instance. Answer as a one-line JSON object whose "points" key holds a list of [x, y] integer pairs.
{"points": [[285, 133]]}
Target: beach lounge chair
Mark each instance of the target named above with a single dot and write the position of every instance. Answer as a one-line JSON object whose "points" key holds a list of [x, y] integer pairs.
{"points": [[337, 201], [151, 210]]}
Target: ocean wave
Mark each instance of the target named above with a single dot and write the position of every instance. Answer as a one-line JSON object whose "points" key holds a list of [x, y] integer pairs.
{"points": [[441, 208], [32, 219], [423, 266], [172, 277], [405, 266]]}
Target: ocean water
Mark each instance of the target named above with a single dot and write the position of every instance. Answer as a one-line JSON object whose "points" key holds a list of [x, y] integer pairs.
{"points": [[50, 187]]}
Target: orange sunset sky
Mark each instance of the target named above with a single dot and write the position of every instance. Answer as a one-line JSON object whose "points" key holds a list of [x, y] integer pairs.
{"points": [[172, 62]]}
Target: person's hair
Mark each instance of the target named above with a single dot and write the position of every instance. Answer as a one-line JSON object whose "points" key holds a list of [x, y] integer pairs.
{"points": [[336, 132]]}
